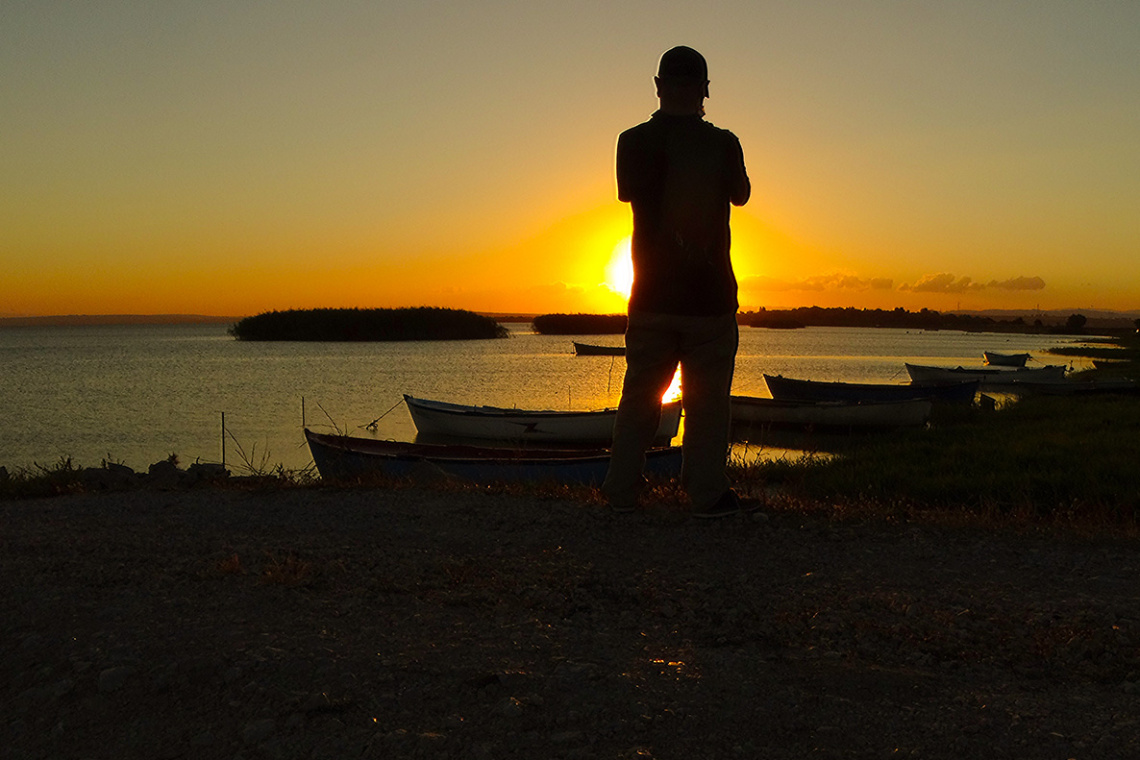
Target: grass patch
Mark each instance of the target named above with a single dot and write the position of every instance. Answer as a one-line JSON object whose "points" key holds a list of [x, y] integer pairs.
{"points": [[1041, 458], [40, 481], [67, 477], [1124, 349]]}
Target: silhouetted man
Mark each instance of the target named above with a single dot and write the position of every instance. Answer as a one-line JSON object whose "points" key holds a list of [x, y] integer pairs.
{"points": [[679, 174]]}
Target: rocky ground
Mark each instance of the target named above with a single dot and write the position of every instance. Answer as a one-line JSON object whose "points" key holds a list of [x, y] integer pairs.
{"points": [[344, 623]]}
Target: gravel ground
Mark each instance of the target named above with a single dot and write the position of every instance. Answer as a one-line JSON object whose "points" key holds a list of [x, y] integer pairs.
{"points": [[330, 623]]}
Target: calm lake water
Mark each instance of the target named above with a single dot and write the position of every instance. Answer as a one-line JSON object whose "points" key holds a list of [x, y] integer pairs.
{"points": [[136, 394]]}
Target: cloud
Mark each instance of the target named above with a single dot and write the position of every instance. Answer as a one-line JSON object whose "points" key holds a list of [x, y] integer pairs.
{"points": [[945, 282], [816, 284], [1019, 283]]}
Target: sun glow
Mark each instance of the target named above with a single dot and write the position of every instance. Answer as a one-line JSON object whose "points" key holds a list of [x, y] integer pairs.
{"points": [[619, 280], [619, 272]]}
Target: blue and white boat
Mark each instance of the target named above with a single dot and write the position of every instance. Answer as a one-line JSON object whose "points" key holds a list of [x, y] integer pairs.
{"points": [[347, 458]]}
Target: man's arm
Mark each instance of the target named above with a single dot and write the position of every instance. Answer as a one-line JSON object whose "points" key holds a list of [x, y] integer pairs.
{"points": [[640, 165], [627, 173], [740, 189]]}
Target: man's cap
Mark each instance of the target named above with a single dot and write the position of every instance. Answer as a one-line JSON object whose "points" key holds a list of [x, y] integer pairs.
{"points": [[682, 63]]}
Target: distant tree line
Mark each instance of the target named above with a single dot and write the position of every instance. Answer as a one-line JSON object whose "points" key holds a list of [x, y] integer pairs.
{"points": [[580, 324], [421, 323], [817, 316], [925, 319]]}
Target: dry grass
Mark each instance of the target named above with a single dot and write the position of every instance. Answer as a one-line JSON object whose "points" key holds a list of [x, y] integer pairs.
{"points": [[287, 570], [231, 565]]}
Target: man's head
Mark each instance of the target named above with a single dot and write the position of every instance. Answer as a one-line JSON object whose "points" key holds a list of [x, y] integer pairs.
{"points": [[682, 80], [682, 63]]}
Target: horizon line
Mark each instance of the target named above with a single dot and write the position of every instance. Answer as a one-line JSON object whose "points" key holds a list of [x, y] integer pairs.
{"points": [[182, 318]]}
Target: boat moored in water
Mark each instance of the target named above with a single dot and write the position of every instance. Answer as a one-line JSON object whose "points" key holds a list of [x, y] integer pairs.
{"points": [[341, 457], [793, 389], [989, 377], [442, 419], [995, 359]]}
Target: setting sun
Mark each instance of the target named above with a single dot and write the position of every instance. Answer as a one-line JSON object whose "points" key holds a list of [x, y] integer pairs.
{"points": [[619, 272]]}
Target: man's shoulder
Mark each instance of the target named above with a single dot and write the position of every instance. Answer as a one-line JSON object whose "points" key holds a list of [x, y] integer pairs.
{"points": [[659, 124], [640, 130], [720, 131]]}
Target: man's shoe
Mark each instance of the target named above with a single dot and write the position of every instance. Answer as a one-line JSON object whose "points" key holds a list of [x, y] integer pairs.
{"points": [[727, 505], [750, 505]]}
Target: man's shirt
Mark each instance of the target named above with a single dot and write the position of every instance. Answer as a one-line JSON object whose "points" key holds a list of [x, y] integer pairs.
{"points": [[679, 174]]}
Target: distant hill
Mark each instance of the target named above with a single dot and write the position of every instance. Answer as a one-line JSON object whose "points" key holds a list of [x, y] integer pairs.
{"points": [[116, 319], [420, 323]]}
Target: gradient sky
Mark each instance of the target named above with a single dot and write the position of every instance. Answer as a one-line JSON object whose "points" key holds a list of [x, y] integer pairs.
{"points": [[233, 157]]}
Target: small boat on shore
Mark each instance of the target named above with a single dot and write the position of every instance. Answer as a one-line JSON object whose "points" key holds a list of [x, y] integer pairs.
{"points": [[443, 419], [995, 359], [793, 389], [588, 349], [988, 376], [341, 457], [846, 415]]}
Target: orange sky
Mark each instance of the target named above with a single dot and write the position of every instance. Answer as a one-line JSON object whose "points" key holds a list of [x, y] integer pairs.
{"points": [[230, 159]]}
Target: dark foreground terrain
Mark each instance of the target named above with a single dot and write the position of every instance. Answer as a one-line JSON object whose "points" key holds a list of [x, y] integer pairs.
{"points": [[325, 623]]}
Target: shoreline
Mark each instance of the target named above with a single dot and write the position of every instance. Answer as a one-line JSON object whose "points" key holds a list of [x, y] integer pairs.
{"points": [[333, 622], [99, 320]]}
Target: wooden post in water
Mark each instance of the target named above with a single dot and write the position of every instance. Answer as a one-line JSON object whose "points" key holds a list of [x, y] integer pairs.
{"points": [[223, 439]]}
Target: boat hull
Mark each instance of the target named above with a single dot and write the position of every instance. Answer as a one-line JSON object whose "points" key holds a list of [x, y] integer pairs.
{"points": [[849, 415], [440, 419], [346, 458], [1004, 360], [990, 377], [792, 389]]}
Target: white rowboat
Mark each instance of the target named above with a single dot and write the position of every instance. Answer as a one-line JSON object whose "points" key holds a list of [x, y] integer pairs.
{"points": [[492, 423], [989, 376]]}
